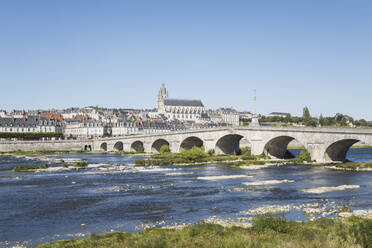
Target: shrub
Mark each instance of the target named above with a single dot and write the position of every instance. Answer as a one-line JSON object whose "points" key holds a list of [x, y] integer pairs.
{"points": [[164, 149], [64, 166], [362, 230], [239, 163], [245, 150], [211, 152], [25, 168], [266, 222], [248, 156], [194, 154], [139, 162], [345, 209], [45, 166], [304, 157], [82, 164]]}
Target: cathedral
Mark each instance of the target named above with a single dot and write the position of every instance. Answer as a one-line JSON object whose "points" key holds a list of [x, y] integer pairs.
{"points": [[180, 109]]}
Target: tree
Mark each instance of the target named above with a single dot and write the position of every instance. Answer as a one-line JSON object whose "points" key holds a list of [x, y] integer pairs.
{"points": [[194, 154], [306, 113], [164, 149]]}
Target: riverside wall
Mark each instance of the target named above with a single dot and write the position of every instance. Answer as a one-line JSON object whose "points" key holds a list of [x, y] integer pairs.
{"points": [[50, 145]]}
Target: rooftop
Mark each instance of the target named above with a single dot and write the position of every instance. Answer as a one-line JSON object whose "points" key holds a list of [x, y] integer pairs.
{"points": [[183, 102]]}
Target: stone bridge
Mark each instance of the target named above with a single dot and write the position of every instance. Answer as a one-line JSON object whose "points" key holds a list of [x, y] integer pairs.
{"points": [[324, 145]]}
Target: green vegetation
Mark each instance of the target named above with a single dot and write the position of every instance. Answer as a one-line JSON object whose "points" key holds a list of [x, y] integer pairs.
{"points": [[139, 162], [345, 209], [27, 168], [82, 164], [64, 166], [304, 157], [164, 149], [211, 152], [358, 147], [126, 153], [339, 120], [197, 155], [355, 165], [30, 135], [267, 231]]}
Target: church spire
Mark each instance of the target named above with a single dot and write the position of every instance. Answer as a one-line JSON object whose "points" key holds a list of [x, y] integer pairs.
{"points": [[254, 122]]}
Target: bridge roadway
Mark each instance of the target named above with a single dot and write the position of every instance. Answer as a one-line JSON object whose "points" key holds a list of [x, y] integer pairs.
{"points": [[324, 144]]}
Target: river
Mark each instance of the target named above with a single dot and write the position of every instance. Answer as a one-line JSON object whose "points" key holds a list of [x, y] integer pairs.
{"points": [[37, 207]]}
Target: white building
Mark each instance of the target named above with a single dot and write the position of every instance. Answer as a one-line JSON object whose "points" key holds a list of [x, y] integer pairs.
{"points": [[124, 128], [229, 116], [179, 109], [83, 129]]}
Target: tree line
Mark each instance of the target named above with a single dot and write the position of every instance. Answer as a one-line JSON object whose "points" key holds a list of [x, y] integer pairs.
{"points": [[339, 120]]}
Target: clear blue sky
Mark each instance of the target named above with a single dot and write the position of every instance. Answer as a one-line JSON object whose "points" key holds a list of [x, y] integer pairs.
{"points": [[59, 54]]}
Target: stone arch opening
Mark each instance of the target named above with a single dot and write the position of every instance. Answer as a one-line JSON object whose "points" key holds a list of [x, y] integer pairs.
{"points": [[104, 146], [137, 146], [190, 142], [119, 146], [157, 144], [337, 151], [87, 148], [278, 147], [228, 144]]}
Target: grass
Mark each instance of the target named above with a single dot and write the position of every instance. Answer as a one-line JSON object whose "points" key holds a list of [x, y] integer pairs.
{"points": [[28, 168], [267, 231], [354, 165]]}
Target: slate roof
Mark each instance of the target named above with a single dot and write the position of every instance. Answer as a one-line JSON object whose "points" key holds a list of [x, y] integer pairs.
{"points": [[183, 102]]}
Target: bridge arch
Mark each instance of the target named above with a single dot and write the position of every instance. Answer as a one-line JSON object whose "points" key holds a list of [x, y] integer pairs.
{"points": [[157, 144], [228, 144], [119, 146], [190, 142], [278, 147], [87, 148], [337, 151], [137, 146], [103, 146]]}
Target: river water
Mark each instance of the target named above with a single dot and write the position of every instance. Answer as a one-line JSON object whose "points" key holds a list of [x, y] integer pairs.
{"points": [[36, 207]]}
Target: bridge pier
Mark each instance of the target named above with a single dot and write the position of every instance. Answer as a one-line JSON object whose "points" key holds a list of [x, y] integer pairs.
{"points": [[317, 151]]}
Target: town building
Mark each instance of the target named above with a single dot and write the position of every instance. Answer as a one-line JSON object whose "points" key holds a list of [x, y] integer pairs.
{"points": [[30, 124]]}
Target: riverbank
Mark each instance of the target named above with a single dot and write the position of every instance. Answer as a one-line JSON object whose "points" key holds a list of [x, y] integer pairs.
{"points": [[197, 156], [266, 231], [352, 166]]}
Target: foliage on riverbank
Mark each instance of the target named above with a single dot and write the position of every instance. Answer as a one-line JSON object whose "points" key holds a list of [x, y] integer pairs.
{"points": [[267, 231], [127, 153], [27, 168], [194, 155], [304, 156], [81, 164], [354, 165]]}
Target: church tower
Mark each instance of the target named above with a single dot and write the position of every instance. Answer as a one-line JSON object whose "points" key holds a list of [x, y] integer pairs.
{"points": [[163, 94]]}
